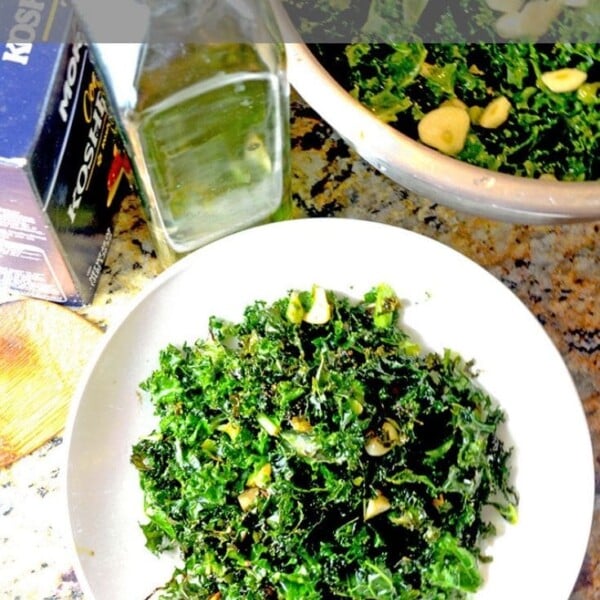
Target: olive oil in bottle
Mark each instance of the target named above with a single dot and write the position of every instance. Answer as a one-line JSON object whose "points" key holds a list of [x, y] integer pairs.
{"points": [[210, 123]]}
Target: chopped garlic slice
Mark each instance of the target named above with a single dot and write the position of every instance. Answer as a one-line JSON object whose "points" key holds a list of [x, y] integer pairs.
{"points": [[320, 310], [495, 113], [564, 80], [531, 22], [445, 129], [376, 506]]}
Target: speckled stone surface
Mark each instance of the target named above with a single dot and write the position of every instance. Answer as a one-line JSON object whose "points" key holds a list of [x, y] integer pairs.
{"points": [[554, 270]]}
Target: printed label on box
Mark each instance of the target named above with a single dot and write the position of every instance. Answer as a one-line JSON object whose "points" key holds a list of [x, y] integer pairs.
{"points": [[64, 168]]}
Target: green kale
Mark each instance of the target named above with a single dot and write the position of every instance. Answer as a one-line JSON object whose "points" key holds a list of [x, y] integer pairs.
{"points": [[547, 133], [313, 450]]}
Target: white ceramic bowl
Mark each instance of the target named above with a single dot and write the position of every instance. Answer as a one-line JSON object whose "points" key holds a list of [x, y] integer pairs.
{"points": [[429, 173]]}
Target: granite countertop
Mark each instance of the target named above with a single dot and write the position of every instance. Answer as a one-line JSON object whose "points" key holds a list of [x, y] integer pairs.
{"points": [[554, 270]]}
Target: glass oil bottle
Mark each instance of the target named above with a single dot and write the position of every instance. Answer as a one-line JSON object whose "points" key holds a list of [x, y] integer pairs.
{"points": [[209, 121]]}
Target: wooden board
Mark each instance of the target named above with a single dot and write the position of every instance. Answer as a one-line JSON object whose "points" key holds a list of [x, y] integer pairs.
{"points": [[44, 348]]}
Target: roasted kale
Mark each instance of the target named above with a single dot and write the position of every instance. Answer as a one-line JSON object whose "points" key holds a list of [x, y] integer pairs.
{"points": [[546, 133], [403, 59], [313, 450]]}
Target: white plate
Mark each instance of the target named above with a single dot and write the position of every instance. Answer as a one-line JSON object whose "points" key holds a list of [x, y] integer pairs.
{"points": [[449, 301], [429, 173]]}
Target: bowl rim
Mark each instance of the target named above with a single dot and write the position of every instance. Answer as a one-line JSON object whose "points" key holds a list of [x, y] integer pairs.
{"points": [[428, 172]]}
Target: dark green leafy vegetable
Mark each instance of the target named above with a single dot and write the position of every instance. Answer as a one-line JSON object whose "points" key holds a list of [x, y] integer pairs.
{"points": [[392, 21], [547, 133], [313, 451]]}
